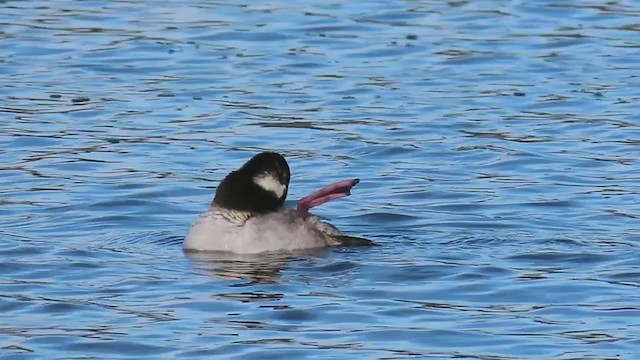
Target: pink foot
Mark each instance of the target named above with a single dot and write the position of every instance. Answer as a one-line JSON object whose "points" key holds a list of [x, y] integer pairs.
{"points": [[334, 191]]}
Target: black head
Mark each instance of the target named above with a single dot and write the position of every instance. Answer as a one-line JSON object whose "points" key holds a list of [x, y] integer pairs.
{"points": [[258, 187]]}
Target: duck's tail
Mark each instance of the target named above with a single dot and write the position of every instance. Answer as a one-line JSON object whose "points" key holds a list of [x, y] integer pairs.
{"points": [[346, 240]]}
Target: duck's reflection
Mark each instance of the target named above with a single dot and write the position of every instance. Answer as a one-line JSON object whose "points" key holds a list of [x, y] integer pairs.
{"points": [[264, 268]]}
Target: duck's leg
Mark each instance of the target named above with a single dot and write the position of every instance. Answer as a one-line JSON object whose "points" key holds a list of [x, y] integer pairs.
{"points": [[334, 191]]}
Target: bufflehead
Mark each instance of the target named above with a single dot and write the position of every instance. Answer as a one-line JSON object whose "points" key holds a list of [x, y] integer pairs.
{"points": [[247, 214]]}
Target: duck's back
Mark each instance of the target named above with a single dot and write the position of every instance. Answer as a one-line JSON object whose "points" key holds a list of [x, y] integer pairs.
{"points": [[281, 230]]}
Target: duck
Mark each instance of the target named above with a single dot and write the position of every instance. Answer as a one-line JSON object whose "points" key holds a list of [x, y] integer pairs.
{"points": [[248, 213]]}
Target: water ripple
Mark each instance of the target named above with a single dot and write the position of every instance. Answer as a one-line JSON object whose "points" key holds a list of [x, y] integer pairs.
{"points": [[497, 143]]}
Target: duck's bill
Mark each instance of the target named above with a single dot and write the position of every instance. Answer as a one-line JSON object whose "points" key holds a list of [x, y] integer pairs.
{"points": [[334, 191], [346, 240]]}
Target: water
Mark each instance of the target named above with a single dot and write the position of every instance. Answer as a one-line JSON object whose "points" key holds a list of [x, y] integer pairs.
{"points": [[497, 143]]}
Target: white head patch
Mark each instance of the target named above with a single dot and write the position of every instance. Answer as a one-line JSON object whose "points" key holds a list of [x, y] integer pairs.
{"points": [[269, 182]]}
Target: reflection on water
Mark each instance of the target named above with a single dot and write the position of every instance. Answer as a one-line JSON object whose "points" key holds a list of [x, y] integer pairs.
{"points": [[256, 268], [497, 143]]}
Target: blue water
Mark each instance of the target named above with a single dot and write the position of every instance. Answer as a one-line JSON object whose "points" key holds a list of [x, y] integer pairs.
{"points": [[498, 143]]}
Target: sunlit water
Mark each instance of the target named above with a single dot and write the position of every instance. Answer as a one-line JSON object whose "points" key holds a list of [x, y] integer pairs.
{"points": [[498, 143]]}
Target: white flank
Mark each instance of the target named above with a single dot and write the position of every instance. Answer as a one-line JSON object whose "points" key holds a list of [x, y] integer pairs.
{"points": [[276, 231], [270, 183]]}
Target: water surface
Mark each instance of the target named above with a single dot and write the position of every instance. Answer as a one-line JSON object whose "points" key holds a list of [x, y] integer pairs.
{"points": [[497, 143]]}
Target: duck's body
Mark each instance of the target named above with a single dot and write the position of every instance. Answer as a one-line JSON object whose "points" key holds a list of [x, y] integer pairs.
{"points": [[286, 229], [247, 214]]}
